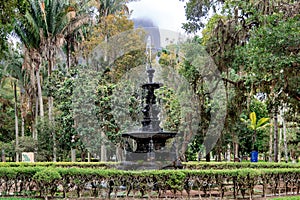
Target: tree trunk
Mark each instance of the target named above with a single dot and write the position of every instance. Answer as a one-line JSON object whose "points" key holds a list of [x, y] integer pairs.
{"points": [[275, 137], [236, 150], [89, 156], [293, 156], [103, 148], [3, 158], [235, 145], [22, 112], [34, 126], [35, 132], [40, 95], [207, 156], [73, 155], [16, 122], [119, 151], [22, 126], [51, 123], [280, 142], [50, 104], [271, 143], [228, 155], [284, 139], [68, 52], [83, 154]]}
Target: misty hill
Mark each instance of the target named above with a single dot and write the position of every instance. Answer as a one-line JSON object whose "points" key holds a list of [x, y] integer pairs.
{"points": [[151, 28]]}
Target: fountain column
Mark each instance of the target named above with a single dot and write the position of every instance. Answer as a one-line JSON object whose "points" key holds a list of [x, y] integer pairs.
{"points": [[151, 138]]}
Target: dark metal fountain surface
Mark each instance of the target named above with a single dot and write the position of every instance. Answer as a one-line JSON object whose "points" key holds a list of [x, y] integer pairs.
{"points": [[150, 151]]}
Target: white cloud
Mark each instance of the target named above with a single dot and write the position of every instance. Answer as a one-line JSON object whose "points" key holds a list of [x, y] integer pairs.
{"points": [[166, 14]]}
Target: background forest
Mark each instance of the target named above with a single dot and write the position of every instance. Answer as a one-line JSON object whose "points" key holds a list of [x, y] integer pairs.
{"points": [[254, 44]]}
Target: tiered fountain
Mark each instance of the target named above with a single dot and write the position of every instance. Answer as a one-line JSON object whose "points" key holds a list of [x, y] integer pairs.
{"points": [[150, 151]]}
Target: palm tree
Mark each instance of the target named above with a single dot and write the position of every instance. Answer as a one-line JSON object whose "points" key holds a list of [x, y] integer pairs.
{"points": [[42, 31], [255, 125], [12, 68], [107, 7]]}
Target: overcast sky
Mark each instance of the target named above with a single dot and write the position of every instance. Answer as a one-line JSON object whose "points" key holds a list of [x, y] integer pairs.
{"points": [[166, 14]]}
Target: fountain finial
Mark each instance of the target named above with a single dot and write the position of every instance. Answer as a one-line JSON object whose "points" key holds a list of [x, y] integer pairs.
{"points": [[150, 70]]}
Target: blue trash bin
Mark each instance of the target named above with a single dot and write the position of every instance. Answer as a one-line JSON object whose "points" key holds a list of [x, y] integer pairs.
{"points": [[254, 156]]}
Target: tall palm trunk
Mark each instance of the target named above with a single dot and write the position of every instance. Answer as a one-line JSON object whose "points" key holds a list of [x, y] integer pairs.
{"points": [[22, 98], [40, 95], [51, 121], [50, 106], [36, 114], [40, 102], [275, 137], [16, 121]]}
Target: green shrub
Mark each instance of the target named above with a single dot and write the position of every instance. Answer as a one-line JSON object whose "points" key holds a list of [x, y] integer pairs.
{"points": [[187, 165], [238, 165], [45, 180], [47, 175]]}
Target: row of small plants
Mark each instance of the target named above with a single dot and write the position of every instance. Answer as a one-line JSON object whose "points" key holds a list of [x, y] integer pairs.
{"points": [[102, 165], [108, 183], [238, 165], [186, 165]]}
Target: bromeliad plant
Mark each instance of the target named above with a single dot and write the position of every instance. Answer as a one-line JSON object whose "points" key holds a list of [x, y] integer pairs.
{"points": [[255, 125]]}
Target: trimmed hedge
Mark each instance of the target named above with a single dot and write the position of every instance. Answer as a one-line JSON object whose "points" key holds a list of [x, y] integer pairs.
{"points": [[16, 198], [186, 165], [88, 182], [103, 165], [238, 165]]}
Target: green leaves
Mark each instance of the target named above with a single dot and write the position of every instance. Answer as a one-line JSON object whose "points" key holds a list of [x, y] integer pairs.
{"points": [[196, 11], [271, 57], [252, 120], [47, 179], [262, 123], [170, 108], [253, 124], [47, 175]]}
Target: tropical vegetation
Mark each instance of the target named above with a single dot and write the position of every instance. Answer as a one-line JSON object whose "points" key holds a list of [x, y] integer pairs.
{"points": [[63, 64]]}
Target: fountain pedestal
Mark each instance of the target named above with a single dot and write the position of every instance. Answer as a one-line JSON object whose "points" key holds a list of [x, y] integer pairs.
{"points": [[150, 151]]}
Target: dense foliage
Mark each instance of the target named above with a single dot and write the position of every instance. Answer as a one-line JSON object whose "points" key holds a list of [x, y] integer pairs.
{"points": [[76, 182], [254, 45], [66, 93]]}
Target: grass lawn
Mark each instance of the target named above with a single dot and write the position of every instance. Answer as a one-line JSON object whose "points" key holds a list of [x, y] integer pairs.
{"points": [[17, 198], [287, 198]]}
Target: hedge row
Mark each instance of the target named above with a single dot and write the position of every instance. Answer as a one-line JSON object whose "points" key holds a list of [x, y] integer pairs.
{"points": [[238, 165], [88, 182], [102, 165], [186, 165]]}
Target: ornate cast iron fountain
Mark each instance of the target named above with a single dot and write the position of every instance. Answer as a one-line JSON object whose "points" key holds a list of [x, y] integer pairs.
{"points": [[150, 151]]}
